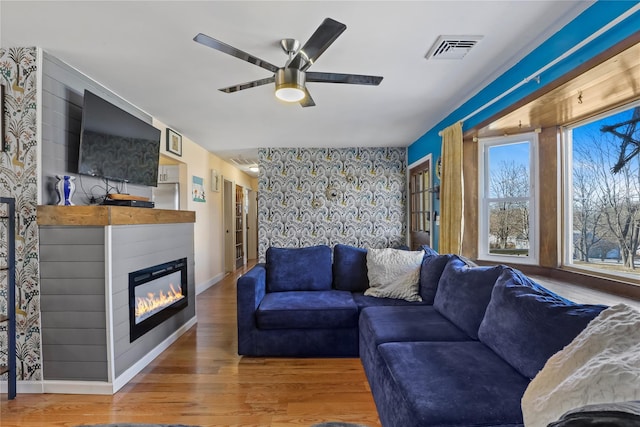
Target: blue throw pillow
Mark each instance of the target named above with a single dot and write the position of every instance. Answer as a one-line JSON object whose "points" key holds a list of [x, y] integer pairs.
{"points": [[430, 273], [526, 324], [350, 268], [464, 293], [299, 269]]}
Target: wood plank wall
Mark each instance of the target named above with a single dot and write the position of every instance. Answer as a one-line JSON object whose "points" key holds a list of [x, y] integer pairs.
{"points": [[136, 247], [62, 98], [72, 300]]}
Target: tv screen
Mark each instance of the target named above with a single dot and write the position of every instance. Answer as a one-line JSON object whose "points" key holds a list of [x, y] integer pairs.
{"points": [[116, 145]]}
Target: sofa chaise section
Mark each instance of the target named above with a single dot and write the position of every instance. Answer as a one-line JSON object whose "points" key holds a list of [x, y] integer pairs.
{"points": [[447, 384], [473, 370]]}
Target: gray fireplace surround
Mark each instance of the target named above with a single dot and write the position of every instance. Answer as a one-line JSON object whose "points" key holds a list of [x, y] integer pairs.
{"points": [[84, 272]]}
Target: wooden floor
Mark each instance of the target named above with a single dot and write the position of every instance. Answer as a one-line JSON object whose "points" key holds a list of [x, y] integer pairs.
{"points": [[200, 380]]}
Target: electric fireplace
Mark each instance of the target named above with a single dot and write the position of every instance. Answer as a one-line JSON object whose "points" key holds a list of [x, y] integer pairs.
{"points": [[155, 294]]}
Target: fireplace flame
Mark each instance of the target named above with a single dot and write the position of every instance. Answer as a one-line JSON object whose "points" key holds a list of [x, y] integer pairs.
{"points": [[153, 303]]}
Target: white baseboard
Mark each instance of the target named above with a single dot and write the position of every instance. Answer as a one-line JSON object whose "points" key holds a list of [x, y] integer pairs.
{"points": [[201, 287], [99, 387], [77, 387], [27, 387]]}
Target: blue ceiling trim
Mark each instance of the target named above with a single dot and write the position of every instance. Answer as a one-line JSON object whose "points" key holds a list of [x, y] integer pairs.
{"points": [[591, 20]]}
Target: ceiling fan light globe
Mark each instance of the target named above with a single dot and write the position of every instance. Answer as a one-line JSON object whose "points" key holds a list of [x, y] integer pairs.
{"points": [[290, 85], [290, 94]]}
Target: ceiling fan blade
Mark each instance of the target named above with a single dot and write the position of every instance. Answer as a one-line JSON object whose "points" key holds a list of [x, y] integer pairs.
{"points": [[248, 85], [230, 50], [319, 41], [354, 79], [307, 101]]}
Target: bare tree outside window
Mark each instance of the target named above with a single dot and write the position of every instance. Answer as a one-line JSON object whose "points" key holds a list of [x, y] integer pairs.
{"points": [[509, 219], [508, 198], [606, 192]]}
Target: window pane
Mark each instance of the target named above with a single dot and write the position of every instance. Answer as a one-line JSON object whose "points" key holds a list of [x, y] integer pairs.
{"points": [[605, 200], [509, 170], [509, 228]]}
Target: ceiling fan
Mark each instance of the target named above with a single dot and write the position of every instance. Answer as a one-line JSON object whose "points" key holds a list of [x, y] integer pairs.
{"points": [[290, 80]]}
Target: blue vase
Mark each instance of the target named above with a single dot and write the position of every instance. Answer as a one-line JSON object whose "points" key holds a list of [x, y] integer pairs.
{"points": [[65, 188]]}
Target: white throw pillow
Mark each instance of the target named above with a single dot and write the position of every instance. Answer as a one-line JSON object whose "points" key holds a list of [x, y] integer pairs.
{"points": [[394, 273], [601, 365]]}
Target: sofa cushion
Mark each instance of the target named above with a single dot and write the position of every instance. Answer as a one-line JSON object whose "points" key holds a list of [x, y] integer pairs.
{"points": [[299, 269], [378, 325], [464, 293], [307, 310], [394, 273], [350, 268], [447, 384], [430, 273], [526, 324], [416, 323], [363, 301]]}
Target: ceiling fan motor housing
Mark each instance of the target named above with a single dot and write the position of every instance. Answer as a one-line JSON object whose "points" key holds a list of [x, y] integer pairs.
{"points": [[290, 84]]}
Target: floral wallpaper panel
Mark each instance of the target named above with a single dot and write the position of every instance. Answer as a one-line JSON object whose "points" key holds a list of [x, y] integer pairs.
{"points": [[314, 196], [18, 179]]}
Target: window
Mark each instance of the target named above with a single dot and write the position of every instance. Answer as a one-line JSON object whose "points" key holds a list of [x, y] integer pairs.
{"points": [[602, 194], [507, 195]]}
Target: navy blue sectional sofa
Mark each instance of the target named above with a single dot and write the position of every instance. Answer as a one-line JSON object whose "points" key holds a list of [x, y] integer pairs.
{"points": [[463, 356], [304, 302]]}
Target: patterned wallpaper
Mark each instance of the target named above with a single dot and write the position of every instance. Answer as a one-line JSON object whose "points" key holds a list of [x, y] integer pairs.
{"points": [[19, 179], [354, 196]]}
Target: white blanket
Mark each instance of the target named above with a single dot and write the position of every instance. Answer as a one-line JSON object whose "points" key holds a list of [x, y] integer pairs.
{"points": [[601, 365]]}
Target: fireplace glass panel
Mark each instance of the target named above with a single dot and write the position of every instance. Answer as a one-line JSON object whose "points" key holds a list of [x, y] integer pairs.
{"points": [[155, 294]]}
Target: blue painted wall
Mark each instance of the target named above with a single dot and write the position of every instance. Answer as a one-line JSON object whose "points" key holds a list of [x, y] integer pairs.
{"points": [[591, 20]]}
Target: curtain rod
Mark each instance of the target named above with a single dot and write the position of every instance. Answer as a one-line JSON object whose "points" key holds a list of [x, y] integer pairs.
{"points": [[536, 74]]}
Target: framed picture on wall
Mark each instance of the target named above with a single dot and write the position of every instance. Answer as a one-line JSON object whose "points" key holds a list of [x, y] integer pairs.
{"points": [[174, 142], [197, 189], [215, 181]]}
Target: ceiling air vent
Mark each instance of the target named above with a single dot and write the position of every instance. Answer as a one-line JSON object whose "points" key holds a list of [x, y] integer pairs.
{"points": [[452, 47], [239, 161]]}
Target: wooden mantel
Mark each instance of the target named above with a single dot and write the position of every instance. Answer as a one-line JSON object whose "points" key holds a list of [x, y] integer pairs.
{"points": [[109, 215]]}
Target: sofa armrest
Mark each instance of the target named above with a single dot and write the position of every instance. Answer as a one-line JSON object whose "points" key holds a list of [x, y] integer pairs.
{"points": [[251, 288]]}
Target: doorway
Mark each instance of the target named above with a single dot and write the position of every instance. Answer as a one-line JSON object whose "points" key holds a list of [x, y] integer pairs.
{"points": [[239, 227], [228, 202], [252, 225], [421, 191]]}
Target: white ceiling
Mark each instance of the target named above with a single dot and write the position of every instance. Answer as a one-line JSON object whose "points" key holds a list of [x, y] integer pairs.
{"points": [[144, 52]]}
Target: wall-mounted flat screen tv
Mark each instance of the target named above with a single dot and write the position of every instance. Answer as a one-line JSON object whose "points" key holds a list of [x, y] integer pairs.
{"points": [[116, 145]]}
